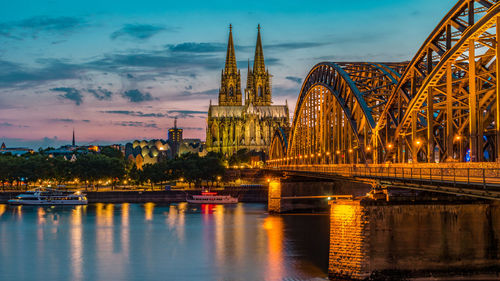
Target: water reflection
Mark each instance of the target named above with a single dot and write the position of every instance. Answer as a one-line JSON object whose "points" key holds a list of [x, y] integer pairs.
{"points": [[148, 211], [274, 229], [3, 208], [149, 242], [76, 240]]}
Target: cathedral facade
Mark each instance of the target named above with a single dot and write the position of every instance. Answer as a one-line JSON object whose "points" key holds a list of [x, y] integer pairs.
{"points": [[235, 123]]}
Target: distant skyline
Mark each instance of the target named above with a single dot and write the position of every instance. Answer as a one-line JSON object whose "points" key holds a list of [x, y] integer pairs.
{"points": [[118, 71]]}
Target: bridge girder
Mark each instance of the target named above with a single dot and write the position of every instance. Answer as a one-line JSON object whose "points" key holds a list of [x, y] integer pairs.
{"points": [[437, 107]]}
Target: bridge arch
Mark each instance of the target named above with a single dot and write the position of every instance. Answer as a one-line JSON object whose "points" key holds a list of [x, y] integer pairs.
{"points": [[278, 148], [337, 110], [445, 105]]}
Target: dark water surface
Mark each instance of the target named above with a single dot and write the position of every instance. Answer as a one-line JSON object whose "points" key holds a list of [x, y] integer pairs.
{"points": [[161, 242]]}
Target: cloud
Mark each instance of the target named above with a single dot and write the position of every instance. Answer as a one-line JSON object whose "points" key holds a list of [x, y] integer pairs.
{"points": [[15, 74], [134, 113], [185, 113], [33, 26], [100, 93], [193, 128], [279, 91], [64, 120], [138, 31], [137, 96], [156, 60], [191, 47], [297, 80], [70, 94], [6, 124], [200, 93], [136, 124], [295, 45]]}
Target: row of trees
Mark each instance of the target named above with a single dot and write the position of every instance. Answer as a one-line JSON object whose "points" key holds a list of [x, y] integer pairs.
{"points": [[190, 168], [92, 168]]}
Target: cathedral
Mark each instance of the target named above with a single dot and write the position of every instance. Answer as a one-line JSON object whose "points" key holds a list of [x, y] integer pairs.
{"points": [[234, 125]]}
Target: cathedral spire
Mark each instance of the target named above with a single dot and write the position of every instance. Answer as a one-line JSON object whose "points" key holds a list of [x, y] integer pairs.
{"points": [[230, 90], [73, 142], [258, 63], [230, 56]]}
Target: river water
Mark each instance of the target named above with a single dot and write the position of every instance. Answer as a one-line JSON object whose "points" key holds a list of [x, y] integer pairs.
{"points": [[161, 242]]}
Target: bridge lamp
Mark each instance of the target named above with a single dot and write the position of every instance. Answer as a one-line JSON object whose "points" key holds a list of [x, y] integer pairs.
{"points": [[300, 156], [338, 152], [319, 154], [327, 153], [389, 146], [458, 138], [305, 156], [312, 155], [368, 148], [418, 142], [350, 150]]}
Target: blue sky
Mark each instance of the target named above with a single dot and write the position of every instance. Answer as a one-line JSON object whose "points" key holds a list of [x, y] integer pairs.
{"points": [[122, 70]]}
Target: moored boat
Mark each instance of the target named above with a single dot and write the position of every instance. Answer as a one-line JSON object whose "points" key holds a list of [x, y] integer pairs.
{"points": [[211, 198], [47, 196]]}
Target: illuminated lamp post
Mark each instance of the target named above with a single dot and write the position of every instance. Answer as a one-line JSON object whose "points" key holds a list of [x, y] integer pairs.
{"points": [[418, 144], [458, 138]]}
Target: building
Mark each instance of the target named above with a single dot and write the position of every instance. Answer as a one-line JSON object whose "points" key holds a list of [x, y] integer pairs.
{"points": [[17, 151], [233, 125], [195, 146], [175, 138], [146, 152]]}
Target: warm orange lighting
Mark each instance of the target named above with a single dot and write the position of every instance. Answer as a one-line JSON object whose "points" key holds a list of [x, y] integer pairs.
{"points": [[305, 156], [338, 151], [418, 142], [389, 146], [350, 150], [312, 155], [458, 138], [319, 154], [300, 157], [368, 148], [327, 153], [268, 180]]}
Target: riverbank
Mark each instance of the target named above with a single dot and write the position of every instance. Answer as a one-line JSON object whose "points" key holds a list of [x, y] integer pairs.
{"points": [[249, 195]]}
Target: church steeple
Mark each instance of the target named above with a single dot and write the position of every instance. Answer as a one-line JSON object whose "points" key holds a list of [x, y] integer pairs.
{"points": [[258, 64], [230, 56], [230, 89], [258, 89], [73, 142]]}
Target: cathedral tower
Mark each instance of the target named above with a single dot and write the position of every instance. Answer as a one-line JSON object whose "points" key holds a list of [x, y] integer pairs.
{"points": [[258, 90], [230, 88]]}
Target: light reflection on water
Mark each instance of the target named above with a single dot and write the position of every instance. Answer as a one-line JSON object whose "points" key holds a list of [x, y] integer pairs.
{"points": [[151, 241]]}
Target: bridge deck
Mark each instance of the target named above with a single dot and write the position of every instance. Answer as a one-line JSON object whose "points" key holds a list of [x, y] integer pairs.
{"points": [[471, 179]]}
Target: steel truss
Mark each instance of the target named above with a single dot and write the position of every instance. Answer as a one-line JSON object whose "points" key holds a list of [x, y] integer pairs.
{"points": [[439, 107]]}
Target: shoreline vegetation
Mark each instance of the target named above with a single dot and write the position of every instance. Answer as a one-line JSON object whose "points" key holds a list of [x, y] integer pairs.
{"points": [[108, 170]]}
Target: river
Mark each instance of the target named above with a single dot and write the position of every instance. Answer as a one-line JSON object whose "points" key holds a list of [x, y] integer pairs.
{"points": [[161, 242]]}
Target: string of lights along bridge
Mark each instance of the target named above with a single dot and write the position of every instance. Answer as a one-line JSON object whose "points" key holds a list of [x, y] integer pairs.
{"points": [[440, 107]]}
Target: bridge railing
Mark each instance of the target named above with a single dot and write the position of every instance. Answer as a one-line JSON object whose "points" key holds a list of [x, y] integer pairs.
{"points": [[476, 174]]}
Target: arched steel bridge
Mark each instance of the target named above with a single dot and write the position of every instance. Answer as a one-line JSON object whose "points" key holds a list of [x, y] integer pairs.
{"points": [[440, 107]]}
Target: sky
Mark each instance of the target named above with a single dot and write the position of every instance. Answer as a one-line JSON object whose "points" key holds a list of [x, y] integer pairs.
{"points": [[116, 71]]}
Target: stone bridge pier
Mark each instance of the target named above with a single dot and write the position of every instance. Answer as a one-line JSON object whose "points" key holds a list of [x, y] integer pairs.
{"points": [[296, 194]]}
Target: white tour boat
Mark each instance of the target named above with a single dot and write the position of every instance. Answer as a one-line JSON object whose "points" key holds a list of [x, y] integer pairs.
{"points": [[211, 198], [47, 196]]}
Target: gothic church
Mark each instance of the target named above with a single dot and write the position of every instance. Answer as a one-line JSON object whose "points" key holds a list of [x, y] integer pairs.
{"points": [[233, 125]]}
